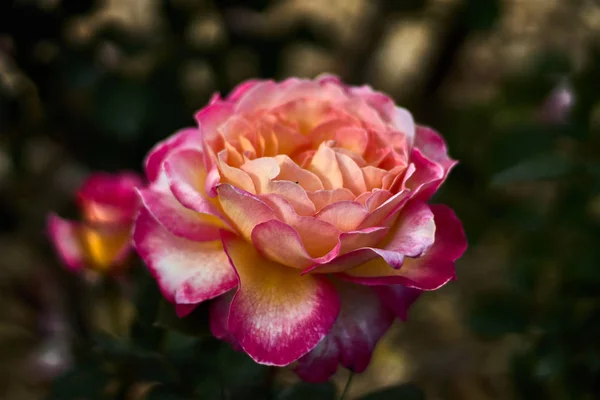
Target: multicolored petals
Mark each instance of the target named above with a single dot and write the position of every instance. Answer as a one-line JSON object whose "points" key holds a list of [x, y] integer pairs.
{"points": [[243, 209], [307, 196], [362, 321], [277, 316], [187, 272], [65, 237], [398, 298], [428, 272], [177, 219], [219, 319], [109, 198], [186, 176], [189, 137]]}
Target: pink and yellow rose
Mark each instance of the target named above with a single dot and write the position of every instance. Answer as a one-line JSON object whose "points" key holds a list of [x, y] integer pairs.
{"points": [[101, 241], [300, 208]]}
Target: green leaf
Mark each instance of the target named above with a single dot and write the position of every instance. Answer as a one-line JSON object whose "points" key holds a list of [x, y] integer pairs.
{"points": [[407, 391], [314, 391], [497, 314], [547, 166]]}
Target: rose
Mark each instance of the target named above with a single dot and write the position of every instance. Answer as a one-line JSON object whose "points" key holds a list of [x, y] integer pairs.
{"points": [[102, 240], [300, 208]]}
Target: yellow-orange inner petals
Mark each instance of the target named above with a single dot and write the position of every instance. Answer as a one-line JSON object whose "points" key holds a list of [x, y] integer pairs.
{"points": [[103, 246], [307, 155]]}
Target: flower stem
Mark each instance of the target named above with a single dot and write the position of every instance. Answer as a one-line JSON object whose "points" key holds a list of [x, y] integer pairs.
{"points": [[347, 387]]}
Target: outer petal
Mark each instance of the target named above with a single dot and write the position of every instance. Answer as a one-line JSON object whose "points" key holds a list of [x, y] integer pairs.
{"points": [[65, 237], [219, 317], [415, 230], [187, 272], [398, 298], [434, 148], [188, 137], [362, 322], [180, 221], [109, 198], [186, 175], [428, 272], [276, 315], [211, 117]]}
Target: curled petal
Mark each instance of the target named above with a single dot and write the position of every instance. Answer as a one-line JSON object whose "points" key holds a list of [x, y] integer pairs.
{"points": [[234, 176], [426, 172], [209, 119], [187, 272], [179, 220], [362, 321], [344, 215], [241, 89], [290, 171], [319, 237], [189, 137], [385, 210], [428, 272], [65, 237], [281, 243], [243, 209], [350, 241], [322, 198], [186, 175], [414, 231], [276, 315]]}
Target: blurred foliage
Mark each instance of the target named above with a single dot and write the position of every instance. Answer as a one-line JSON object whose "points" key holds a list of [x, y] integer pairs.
{"points": [[93, 85]]}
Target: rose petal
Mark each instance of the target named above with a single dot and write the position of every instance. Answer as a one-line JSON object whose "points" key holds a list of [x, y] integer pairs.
{"points": [[362, 321], [415, 231], [319, 237], [324, 165], [243, 209], [109, 198], [276, 315], [219, 317], [187, 272], [180, 221], [210, 118], [322, 198], [351, 174], [398, 298], [281, 243], [65, 237], [290, 171], [186, 175], [428, 272], [344, 215], [188, 137]]}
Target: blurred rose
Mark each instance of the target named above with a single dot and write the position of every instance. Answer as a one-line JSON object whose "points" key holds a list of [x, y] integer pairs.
{"points": [[102, 240], [301, 208]]}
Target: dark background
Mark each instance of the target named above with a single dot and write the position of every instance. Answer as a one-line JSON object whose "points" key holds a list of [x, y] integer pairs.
{"points": [[513, 86]]}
